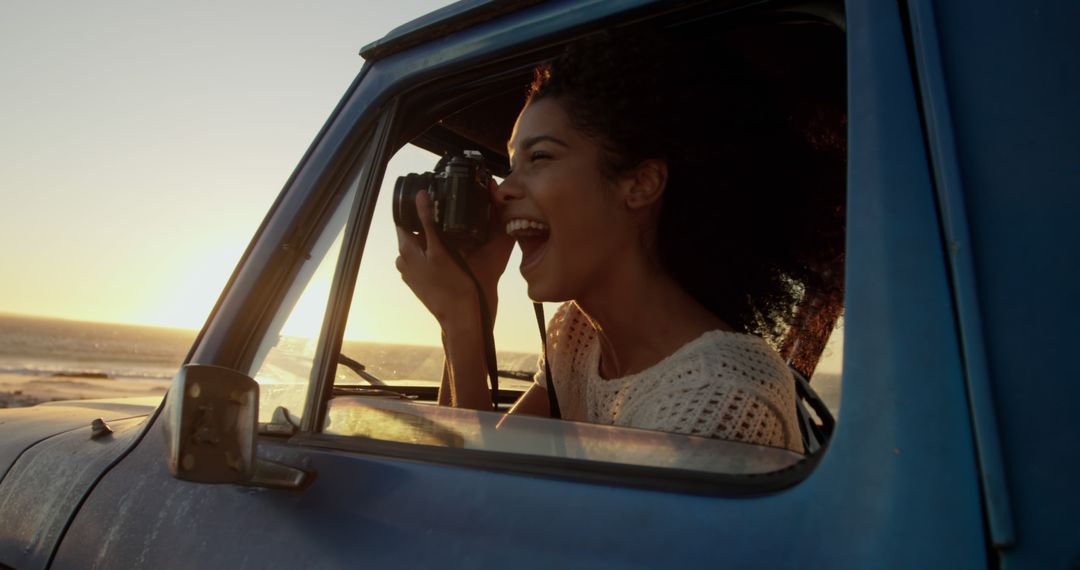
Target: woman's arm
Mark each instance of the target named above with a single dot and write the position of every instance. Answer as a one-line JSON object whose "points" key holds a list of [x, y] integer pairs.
{"points": [[428, 268], [533, 402], [465, 374], [443, 399]]}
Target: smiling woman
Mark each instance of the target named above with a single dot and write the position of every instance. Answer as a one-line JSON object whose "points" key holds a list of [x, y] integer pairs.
{"points": [[688, 228], [587, 218], [623, 167]]}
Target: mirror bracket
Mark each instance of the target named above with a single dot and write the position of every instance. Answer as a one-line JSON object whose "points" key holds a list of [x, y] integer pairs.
{"points": [[210, 419], [274, 475]]}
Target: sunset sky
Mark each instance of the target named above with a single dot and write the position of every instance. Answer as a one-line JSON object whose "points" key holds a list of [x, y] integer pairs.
{"points": [[141, 145]]}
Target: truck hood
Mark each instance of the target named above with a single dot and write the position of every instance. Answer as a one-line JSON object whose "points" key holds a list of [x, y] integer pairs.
{"points": [[22, 428]]}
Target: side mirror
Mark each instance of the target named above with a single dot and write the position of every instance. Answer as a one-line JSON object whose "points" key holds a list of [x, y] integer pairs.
{"points": [[210, 425]]}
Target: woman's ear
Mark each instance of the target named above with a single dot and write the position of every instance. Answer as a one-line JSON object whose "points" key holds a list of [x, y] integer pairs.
{"points": [[646, 184]]}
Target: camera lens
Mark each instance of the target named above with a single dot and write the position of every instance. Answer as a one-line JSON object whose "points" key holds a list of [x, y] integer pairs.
{"points": [[405, 190]]}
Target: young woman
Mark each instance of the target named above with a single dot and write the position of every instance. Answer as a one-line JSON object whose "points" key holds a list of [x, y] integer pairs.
{"points": [[664, 211]]}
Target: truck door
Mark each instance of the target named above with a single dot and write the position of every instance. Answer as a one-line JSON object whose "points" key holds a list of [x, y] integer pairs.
{"points": [[397, 481]]}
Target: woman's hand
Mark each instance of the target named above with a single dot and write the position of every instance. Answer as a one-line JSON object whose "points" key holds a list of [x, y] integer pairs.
{"points": [[427, 268], [488, 262]]}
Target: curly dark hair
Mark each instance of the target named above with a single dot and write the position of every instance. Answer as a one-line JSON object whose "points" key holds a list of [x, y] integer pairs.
{"points": [[752, 221]]}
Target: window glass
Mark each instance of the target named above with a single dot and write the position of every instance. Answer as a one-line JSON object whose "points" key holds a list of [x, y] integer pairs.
{"points": [[283, 366], [407, 422]]}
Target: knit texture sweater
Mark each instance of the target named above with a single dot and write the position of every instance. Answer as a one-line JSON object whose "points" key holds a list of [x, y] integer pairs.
{"points": [[722, 384]]}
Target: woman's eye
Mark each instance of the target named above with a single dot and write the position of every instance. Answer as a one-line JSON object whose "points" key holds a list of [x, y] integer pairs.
{"points": [[538, 155]]}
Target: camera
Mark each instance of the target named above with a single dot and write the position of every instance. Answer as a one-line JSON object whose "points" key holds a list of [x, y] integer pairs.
{"points": [[460, 190]]}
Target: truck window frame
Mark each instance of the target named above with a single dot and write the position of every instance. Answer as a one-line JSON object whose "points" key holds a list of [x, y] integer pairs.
{"points": [[398, 122]]}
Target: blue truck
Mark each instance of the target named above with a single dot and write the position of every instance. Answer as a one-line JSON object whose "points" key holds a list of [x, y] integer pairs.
{"points": [[955, 447]]}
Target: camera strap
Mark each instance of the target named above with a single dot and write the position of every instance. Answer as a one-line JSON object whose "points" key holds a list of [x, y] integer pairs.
{"points": [[553, 400], [490, 358], [486, 323]]}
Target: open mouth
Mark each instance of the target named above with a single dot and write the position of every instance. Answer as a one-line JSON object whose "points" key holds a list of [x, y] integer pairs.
{"points": [[532, 237]]}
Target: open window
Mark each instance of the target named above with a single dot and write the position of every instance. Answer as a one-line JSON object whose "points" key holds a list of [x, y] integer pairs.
{"points": [[382, 389]]}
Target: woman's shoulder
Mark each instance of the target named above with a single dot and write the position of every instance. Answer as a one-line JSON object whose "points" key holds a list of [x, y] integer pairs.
{"points": [[725, 358], [569, 325], [567, 311], [744, 354]]}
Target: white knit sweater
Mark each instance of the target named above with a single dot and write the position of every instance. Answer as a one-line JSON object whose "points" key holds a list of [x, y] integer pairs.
{"points": [[724, 385]]}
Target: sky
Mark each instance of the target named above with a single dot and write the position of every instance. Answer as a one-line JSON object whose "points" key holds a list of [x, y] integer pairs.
{"points": [[142, 143]]}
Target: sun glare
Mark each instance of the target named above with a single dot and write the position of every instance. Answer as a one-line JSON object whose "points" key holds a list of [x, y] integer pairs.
{"points": [[193, 284]]}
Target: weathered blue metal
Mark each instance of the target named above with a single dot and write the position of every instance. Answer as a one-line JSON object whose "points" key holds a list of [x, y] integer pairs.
{"points": [[941, 143], [1012, 73], [22, 428], [47, 484], [442, 22]]}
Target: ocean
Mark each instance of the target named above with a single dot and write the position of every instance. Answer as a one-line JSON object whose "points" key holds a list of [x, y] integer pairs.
{"points": [[35, 346]]}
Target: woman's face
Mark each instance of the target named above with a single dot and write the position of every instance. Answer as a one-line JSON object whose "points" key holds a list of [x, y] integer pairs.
{"points": [[565, 213]]}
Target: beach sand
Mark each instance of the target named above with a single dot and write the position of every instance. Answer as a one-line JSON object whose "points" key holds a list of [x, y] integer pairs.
{"points": [[19, 390]]}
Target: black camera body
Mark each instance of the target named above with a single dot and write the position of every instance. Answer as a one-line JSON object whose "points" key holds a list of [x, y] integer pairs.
{"points": [[460, 189]]}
